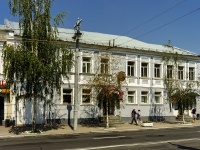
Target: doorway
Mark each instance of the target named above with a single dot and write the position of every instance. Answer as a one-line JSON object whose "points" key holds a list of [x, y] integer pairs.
{"points": [[110, 108], [1, 109]]}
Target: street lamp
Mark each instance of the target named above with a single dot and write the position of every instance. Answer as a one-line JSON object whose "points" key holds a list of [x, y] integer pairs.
{"points": [[76, 37]]}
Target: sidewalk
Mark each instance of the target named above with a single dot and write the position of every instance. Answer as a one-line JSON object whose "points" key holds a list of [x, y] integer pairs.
{"points": [[4, 131]]}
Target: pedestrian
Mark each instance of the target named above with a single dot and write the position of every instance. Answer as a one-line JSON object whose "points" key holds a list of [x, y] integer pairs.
{"points": [[139, 121], [194, 116], [134, 117]]}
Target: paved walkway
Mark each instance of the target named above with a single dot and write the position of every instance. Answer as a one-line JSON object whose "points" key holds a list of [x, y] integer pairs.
{"points": [[4, 131]]}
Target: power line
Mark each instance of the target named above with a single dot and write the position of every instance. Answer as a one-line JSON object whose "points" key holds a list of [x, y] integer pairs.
{"points": [[163, 25], [152, 18]]}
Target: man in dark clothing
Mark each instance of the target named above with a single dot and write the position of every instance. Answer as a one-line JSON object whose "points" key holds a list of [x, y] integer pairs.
{"points": [[194, 114], [134, 116]]}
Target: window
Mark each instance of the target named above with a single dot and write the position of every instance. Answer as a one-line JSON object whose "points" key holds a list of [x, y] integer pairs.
{"points": [[86, 65], [180, 72], [158, 97], [157, 70], [130, 68], [169, 71], [67, 95], [191, 73], [144, 70], [104, 66], [144, 97], [86, 95], [131, 96]]}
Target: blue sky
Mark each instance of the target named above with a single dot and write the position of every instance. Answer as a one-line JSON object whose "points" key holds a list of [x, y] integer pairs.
{"points": [[151, 21]]}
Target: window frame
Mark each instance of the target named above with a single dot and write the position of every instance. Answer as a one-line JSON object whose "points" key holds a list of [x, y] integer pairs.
{"points": [[191, 73], [157, 70], [144, 94], [86, 64], [104, 66], [169, 71], [68, 94], [180, 72], [144, 69], [86, 94], [158, 95], [130, 68], [131, 94]]}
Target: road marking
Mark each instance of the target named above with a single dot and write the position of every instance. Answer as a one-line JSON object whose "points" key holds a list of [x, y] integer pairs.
{"points": [[135, 144], [110, 137]]}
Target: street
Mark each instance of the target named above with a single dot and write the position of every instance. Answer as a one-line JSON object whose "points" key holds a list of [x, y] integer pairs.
{"points": [[174, 138]]}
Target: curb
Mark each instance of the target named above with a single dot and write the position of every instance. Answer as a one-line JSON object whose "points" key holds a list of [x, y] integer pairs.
{"points": [[99, 130]]}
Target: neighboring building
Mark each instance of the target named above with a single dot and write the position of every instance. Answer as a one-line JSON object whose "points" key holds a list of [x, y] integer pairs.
{"points": [[143, 88]]}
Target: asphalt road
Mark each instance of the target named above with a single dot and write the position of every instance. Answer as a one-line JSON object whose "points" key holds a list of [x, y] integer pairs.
{"points": [[161, 139]]}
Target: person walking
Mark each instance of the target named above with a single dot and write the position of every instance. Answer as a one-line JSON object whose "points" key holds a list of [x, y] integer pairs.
{"points": [[139, 121], [194, 116], [134, 117]]}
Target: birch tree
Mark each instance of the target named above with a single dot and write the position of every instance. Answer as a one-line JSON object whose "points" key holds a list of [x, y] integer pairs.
{"points": [[180, 91], [40, 60]]}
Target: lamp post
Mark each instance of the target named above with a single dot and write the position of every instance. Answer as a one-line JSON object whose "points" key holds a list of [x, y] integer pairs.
{"points": [[76, 37]]}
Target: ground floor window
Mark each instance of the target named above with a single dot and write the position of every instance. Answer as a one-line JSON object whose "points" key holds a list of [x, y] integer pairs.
{"points": [[67, 95], [131, 96], [86, 97], [144, 97], [158, 97]]}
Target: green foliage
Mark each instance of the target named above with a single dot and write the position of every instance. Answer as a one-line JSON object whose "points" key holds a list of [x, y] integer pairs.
{"points": [[181, 92], [39, 62], [37, 72]]}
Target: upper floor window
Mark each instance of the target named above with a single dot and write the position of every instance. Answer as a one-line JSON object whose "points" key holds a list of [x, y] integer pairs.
{"points": [[169, 71], [67, 95], [131, 96], [86, 64], [157, 70], [86, 95], [191, 73], [130, 68], [180, 72], [144, 70], [104, 66], [158, 97], [144, 97]]}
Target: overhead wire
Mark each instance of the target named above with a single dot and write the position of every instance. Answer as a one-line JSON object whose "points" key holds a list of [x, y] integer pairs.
{"points": [[158, 15], [133, 28], [191, 12]]}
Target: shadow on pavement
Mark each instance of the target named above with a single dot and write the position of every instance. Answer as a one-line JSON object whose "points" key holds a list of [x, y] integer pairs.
{"points": [[184, 147], [40, 128]]}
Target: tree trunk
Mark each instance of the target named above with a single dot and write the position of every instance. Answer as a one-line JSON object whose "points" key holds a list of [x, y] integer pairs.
{"points": [[34, 114], [44, 110], [107, 120]]}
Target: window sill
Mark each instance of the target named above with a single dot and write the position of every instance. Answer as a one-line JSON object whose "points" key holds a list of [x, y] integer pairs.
{"points": [[86, 104], [143, 104], [87, 74], [131, 104]]}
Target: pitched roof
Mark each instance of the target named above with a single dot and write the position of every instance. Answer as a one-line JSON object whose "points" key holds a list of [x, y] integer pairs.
{"points": [[103, 39]]}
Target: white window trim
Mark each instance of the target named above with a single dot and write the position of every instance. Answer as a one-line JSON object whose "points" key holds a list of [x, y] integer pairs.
{"points": [[147, 97], [134, 95]]}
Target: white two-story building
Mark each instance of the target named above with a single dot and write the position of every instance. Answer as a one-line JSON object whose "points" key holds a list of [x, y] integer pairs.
{"points": [[143, 87]]}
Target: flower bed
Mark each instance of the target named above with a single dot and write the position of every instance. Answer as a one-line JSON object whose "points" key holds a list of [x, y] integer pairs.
{"points": [[147, 124]]}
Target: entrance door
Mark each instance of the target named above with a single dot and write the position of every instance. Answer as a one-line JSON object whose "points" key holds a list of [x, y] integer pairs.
{"points": [[1, 109], [111, 108]]}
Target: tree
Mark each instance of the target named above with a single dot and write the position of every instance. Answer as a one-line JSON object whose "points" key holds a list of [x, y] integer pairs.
{"points": [[39, 61], [106, 82], [179, 91]]}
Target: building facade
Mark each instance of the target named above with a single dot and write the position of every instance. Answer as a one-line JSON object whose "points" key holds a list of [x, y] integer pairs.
{"points": [[98, 53]]}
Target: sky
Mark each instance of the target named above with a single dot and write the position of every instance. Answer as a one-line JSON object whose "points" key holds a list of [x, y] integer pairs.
{"points": [[150, 21]]}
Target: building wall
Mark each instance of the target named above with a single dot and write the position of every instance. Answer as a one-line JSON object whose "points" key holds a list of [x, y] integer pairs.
{"points": [[140, 83]]}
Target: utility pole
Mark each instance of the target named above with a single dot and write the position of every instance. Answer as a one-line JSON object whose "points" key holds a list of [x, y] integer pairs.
{"points": [[76, 37]]}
